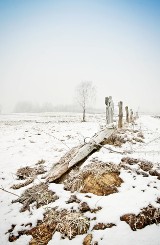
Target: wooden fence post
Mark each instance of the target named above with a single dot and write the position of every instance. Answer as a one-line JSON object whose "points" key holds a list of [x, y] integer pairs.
{"points": [[127, 114], [120, 120], [109, 109], [131, 115]]}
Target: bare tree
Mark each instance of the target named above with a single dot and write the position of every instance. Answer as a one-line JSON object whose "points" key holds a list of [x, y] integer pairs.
{"points": [[85, 93]]}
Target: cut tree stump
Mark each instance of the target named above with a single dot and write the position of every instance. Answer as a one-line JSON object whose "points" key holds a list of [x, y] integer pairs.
{"points": [[77, 154]]}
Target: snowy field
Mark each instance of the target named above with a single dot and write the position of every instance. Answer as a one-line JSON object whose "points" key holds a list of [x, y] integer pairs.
{"points": [[26, 139]]}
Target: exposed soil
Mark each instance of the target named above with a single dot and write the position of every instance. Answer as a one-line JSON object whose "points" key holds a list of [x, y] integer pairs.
{"points": [[97, 178], [102, 226], [149, 215], [104, 185], [88, 240]]}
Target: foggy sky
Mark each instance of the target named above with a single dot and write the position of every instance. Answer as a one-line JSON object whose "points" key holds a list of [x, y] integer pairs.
{"points": [[48, 47]]}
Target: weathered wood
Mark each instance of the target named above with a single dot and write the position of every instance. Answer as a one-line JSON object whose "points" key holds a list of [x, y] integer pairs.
{"points": [[77, 154], [120, 119], [131, 116], [109, 109], [127, 114]]}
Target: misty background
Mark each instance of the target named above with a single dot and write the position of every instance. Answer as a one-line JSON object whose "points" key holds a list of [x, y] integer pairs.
{"points": [[48, 47]]}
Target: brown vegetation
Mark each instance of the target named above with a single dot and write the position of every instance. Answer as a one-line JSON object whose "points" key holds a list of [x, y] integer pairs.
{"points": [[147, 216], [28, 174], [102, 226], [38, 194], [97, 178], [115, 140]]}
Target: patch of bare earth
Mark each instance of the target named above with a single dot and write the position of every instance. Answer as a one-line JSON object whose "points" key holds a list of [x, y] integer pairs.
{"points": [[88, 240], [149, 215], [102, 226], [97, 178]]}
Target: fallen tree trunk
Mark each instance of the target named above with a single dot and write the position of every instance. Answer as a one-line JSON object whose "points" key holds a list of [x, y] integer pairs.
{"points": [[77, 154]]}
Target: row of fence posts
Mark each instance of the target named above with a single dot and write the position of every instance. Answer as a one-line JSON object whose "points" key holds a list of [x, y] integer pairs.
{"points": [[129, 115]]}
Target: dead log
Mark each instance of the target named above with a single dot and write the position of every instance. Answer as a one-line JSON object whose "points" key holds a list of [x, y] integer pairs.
{"points": [[77, 154]]}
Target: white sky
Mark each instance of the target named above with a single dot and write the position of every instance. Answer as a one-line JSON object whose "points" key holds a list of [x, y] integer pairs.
{"points": [[48, 47]]}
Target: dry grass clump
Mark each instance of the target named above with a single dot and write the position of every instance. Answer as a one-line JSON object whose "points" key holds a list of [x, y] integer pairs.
{"points": [[98, 178], [22, 184], [149, 215], [41, 234], [139, 140], [28, 174], [99, 168], [115, 140], [129, 160], [146, 165], [67, 222], [38, 194], [143, 164], [24, 173]]}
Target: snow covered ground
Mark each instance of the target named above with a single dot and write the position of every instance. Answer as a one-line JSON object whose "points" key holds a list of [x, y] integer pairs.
{"points": [[27, 138]]}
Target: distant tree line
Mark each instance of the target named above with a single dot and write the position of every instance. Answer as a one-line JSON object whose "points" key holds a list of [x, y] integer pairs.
{"points": [[29, 107]]}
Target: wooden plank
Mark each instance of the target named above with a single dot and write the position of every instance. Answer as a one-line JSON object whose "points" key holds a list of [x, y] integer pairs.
{"points": [[77, 154]]}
